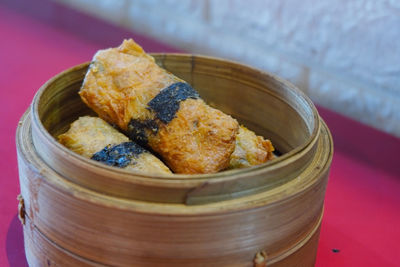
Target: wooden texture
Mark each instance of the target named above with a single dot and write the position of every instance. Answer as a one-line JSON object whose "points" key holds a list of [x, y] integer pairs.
{"points": [[281, 112], [81, 212]]}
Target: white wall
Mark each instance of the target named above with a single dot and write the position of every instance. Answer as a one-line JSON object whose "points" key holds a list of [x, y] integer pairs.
{"points": [[345, 54]]}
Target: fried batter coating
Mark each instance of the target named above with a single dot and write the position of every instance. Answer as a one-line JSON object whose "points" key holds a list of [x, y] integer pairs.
{"points": [[250, 149], [126, 87], [122, 81], [199, 140], [89, 135]]}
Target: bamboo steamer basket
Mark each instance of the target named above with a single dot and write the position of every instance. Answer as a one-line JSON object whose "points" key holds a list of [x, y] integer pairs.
{"points": [[78, 212]]}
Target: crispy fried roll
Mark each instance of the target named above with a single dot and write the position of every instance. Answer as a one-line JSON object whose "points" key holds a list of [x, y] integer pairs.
{"points": [[96, 139], [126, 87], [250, 149]]}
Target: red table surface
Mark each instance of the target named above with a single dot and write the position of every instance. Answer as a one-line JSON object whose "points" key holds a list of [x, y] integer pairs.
{"points": [[362, 206]]}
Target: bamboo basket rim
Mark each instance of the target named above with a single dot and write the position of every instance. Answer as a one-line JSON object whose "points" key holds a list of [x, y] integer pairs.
{"points": [[257, 200], [125, 175]]}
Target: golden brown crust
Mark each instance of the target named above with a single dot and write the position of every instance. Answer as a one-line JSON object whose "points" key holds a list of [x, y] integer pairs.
{"points": [[122, 81], [250, 149], [149, 164], [89, 135], [199, 140]]}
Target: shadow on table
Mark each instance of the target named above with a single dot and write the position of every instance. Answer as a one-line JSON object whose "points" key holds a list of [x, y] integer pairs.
{"points": [[15, 244]]}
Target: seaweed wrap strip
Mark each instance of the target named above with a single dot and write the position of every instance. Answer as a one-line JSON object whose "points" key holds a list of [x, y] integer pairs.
{"points": [[125, 87], [94, 138]]}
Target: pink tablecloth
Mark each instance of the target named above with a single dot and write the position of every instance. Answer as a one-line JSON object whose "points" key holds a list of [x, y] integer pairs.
{"points": [[362, 211]]}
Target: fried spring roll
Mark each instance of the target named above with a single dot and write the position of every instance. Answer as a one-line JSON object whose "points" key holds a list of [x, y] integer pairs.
{"points": [[250, 149], [94, 138], [153, 107]]}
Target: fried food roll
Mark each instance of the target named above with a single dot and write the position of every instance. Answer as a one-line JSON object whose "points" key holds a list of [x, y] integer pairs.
{"points": [[153, 107], [94, 138], [250, 149]]}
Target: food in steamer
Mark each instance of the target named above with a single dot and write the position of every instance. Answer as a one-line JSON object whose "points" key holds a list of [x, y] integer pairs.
{"points": [[158, 110], [94, 138]]}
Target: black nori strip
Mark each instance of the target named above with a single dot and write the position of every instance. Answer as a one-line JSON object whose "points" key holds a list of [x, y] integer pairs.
{"points": [[120, 155], [166, 103], [137, 130]]}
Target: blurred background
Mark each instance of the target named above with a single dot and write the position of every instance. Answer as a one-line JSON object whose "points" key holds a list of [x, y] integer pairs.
{"points": [[344, 54]]}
